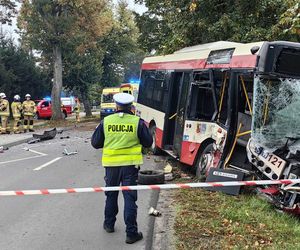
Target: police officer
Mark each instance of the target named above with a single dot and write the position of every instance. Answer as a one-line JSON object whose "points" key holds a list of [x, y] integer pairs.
{"points": [[4, 112], [16, 108], [29, 109], [122, 135]]}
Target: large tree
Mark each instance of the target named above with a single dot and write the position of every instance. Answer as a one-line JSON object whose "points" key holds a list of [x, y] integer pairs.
{"points": [[183, 23], [50, 26], [19, 73], [288, 26], [82, 71], [122, 56]]}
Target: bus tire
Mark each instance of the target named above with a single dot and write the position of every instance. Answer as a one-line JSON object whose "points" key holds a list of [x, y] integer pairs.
{"points": [[154, 148], [150, 177], [201, 163]]}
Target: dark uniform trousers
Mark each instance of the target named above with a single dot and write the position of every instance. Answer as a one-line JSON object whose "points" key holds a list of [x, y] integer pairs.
{"points": [[126, 176]]}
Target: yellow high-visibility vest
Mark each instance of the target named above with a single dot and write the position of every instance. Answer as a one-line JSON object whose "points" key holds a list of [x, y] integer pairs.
{"points": [[121, 144]]}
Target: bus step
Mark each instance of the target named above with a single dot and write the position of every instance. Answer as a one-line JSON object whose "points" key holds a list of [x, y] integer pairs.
{"points": [[171, 153], [247, 172]]}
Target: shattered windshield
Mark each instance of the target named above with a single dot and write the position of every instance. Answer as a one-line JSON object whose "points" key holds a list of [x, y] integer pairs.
{"points": [[276, 111]]}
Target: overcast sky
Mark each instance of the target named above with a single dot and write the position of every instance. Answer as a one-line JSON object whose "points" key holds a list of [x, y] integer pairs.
{"points": [[10, 30]]}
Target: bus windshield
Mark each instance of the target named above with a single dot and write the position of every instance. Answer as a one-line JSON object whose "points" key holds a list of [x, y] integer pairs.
{"points": [[276, 111], [107, 98]]}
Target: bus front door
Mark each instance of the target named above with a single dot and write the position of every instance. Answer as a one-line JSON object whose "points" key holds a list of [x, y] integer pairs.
{"points": [[181, 111]]}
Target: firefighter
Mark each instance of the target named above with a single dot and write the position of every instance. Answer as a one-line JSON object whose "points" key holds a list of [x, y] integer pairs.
{"points": [[16, 108], [122, 135], [29, 110], [77, 110], [4, 112]]}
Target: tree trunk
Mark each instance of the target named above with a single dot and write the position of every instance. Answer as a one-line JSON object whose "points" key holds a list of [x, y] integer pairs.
{"points": [[57, 84], [86, 103]]}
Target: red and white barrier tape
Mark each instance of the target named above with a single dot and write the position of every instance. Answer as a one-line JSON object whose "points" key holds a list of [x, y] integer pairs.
{"points": [[149, 187]]}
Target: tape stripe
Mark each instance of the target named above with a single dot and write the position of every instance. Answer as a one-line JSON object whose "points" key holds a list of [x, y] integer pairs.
{"points": [[148, 187]]}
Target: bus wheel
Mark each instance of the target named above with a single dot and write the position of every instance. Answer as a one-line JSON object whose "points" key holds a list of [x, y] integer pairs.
{"points": [[154, 149], [204, 161], [151, 177]]}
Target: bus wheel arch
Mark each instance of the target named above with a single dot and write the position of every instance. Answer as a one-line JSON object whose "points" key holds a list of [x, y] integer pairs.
{"points": [[154, 148], [203, 158]]}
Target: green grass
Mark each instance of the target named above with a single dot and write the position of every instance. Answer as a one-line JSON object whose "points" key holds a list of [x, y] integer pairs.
{"points": [[208, 220]]}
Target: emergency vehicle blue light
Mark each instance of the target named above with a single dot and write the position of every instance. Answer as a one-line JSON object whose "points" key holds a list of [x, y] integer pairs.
{"points": [[47, 98], [136, 81]]}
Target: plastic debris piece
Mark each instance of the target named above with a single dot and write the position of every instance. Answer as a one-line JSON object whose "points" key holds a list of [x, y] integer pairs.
{"points": [[169, 177], [35, 140], [65, 137], [47, 135], [154, 212], [168, 169], [66, 152]]}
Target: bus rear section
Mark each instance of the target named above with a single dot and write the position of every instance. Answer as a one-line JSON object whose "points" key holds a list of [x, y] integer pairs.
{"points": [[108, 106], [198, 104]]}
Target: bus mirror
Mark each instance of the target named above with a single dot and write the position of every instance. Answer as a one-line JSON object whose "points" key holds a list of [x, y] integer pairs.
{"points": [[254, 49]]}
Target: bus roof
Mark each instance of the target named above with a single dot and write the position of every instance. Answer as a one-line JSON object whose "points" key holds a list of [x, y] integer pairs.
{"points": [[195, 57], [110, 90]]}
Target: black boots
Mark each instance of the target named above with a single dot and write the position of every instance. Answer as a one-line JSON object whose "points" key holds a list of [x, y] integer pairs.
{"points": [[131, 240]]}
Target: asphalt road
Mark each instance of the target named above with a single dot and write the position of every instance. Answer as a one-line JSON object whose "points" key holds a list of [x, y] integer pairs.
{"points": [[63, 221]]}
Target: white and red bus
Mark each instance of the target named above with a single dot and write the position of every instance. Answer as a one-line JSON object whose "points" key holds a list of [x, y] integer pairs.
{"points": [[198, 101]]}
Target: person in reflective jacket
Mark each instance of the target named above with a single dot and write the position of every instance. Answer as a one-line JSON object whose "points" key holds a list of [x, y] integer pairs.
{"points": [[122, 135], [16, 108], [4, 113], [29, 110]]}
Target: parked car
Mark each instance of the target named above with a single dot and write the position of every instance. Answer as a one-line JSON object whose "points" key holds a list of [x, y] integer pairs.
{"points": [[44, 109]]}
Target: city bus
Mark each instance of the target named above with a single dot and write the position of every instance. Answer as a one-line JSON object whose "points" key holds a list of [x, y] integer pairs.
{"points": [[108, 106], [198, 101]]}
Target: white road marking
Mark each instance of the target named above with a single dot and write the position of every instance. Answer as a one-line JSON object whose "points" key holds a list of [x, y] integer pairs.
{"points": [[47, 164], [36, 152], [22, 159], [39, 154]]}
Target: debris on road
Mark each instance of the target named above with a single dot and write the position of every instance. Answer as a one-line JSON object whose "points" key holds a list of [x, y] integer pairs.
{"points": [[66, 152], [154, 212], [35, 140], [168, 169], [65, 137], [47, 135], [185, 176], [2, 149], [59, 131], [169, 177]]}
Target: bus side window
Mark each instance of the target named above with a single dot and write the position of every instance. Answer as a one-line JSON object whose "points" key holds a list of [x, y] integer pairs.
{"points": [[202, 98], [153, 89]]}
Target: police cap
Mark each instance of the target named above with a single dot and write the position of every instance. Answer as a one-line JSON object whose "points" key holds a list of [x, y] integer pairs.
{"points": [[123, 99]]}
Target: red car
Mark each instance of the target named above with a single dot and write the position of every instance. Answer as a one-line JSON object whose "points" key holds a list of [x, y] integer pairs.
{"points": [[44, 110]]}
